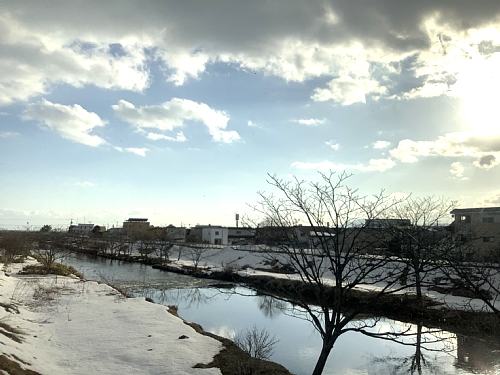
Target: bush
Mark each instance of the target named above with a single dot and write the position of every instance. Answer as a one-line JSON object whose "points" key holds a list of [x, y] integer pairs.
{"points": [[259, 344], [55, 269]]}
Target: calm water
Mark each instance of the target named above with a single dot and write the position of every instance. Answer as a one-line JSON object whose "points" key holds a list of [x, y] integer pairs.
{"points": [[225, 312]]}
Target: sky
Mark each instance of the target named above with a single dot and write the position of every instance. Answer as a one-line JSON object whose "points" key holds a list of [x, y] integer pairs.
{"points": [[176, 111]]}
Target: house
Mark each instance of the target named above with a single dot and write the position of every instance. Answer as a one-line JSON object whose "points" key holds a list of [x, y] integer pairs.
{"points": [[476, 231], [169, 233], [239, 235], [215, 235], [134, 226], [81, 228]]}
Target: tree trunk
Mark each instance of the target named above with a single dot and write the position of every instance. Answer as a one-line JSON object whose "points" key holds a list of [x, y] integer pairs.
{"points": [[323, 356], [320, 364]]}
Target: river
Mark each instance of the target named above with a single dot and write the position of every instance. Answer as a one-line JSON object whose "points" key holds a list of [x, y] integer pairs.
{"points": [[227, 311]]}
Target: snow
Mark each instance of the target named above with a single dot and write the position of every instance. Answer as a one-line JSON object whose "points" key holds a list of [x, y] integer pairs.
{"points": [[80, 327], [77, 327]]}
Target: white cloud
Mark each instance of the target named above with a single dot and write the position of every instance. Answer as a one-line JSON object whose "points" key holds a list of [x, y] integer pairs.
{"points": [[137, 151], [381, 144], [174, 114], [8, 134], [333, 145], [347, 90], [85, 184], [375, 165], [42, 46], [311, 121], [71, 122], [457, 170], [180, 137], [485, 149]]}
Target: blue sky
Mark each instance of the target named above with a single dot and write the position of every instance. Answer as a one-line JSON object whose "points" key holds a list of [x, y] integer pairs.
{"points": [[177, 110]]}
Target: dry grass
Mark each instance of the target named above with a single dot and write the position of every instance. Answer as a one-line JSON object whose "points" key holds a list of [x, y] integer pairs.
{"points": [[11, 367]]}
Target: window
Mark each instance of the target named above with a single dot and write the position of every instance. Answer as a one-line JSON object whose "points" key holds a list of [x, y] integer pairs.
{"points": [[465, 218], [489, 239], [488, 219], [216, 232]]}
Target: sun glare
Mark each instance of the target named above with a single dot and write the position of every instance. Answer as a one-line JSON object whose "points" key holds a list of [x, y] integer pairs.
{"points": [[481, 114]]}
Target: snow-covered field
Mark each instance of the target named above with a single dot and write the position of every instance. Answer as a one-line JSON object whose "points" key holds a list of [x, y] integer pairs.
{"points": [[72, 327]]}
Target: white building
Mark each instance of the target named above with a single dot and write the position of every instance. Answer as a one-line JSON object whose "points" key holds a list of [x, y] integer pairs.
{"points": [[215, 235]]}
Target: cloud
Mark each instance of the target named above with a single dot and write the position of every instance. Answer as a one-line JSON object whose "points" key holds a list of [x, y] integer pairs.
{"points": [[85, 184], [457, 170], [358, 47], [137, 151], [333, 145], [381, 144], [174, 114], [9, 134], [485, 149], [311, 121], [178, 138], [347, 90], [71, 122], [374, 165]]}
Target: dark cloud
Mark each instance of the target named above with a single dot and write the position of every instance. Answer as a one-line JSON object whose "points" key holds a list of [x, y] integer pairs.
{"points": [[485, 144], [487, 161]]}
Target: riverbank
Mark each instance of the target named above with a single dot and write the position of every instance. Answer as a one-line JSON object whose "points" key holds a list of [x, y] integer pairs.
{"points": [[60, 325], [440, 310]]}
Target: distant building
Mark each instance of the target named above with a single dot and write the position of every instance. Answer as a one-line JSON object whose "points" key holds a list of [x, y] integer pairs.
{"points": [[134, 226], [216, 235], [241, 235], [213, 234], [477, 231], [169, 233], [81, 228], [386, 223]]}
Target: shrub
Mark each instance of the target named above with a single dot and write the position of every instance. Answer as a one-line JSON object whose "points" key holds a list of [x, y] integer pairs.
{"points": [[55, 269]]}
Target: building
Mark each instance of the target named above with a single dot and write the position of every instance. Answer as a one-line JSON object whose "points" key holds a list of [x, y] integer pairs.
{"points": [[170, 233], [242, 236], [216, 235], [477, 231], [386, 223], [134, 226], [213, 234], [81, 228]]}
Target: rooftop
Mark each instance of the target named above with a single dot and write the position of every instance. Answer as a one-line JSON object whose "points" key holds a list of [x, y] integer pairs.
{"points": [[475, 210]]}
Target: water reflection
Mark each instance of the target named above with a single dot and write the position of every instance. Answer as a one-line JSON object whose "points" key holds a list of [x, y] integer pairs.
{"points": [[225, 312], [478, 356], [270, 307], [424, 359]]}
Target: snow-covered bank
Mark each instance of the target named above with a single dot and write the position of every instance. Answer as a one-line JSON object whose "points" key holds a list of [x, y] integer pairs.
{"points": [[74, 327]]}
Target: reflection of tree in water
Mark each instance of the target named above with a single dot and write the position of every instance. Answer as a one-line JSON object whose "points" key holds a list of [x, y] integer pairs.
{"points": [[417, 363], [270, 307], [477, 355], [191, 297]]}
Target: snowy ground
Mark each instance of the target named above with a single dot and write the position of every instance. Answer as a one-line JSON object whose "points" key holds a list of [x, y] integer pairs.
{"points": [[246, 263], [74, 327]]}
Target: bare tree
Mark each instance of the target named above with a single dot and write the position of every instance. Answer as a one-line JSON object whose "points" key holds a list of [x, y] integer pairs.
{"points": [[417, 239], [163, 246], [197, 254], [480, 279], [14, 243], [50, 248], [115, 243], [337, 262], [258, 343]]}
